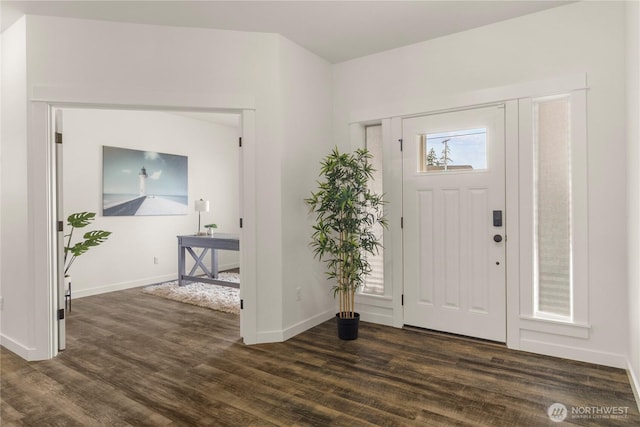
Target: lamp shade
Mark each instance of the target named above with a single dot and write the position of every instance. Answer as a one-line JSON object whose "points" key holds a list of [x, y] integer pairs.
{"points": [[201, 205]]}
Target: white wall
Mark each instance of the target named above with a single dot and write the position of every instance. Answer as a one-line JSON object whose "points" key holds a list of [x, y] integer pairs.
{"points": [[1, 137], [91, 62], [94, 62], [17, 331], [307, 296], [585, 37], [633, 190], [212, 152]]}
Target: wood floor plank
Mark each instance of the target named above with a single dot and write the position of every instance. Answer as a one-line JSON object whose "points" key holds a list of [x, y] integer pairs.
{"points": [[134, 359]]}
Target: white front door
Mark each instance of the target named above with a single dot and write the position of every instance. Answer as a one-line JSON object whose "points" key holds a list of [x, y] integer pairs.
{"points": [[453, 216]]}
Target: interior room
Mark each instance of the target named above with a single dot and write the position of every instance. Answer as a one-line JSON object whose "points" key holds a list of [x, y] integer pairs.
{"points": [[191, 78], [210, 143]]}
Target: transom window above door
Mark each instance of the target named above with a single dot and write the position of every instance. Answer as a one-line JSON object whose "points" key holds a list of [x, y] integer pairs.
{"points": [[453, 151]]}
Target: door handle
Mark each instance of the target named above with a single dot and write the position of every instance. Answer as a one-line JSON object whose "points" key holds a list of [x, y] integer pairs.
{"points": [[497, 238]]}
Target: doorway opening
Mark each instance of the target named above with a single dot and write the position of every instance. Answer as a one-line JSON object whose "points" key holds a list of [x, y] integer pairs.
{"points": [[142, 247]]}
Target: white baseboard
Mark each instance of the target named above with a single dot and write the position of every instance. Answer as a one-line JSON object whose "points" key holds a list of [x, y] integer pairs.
{"points": [[136, 283], [375, 310], [20, 349], [290, 332], [574, 353], [231, 266], [634, 380], [309, 323], [378, 318], [121, 286], [267, 337]]}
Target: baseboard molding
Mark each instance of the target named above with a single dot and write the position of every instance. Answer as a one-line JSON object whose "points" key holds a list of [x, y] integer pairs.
{"points": [[574, 353], [136, 283], [120, 286], [375, 309], [223, 267], [20, 349], [378, 318], [634, 380], [265, 337], [309, 323]]}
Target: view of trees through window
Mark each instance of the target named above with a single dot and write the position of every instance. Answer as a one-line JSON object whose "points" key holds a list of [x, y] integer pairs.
{"points": [[454, 150]]}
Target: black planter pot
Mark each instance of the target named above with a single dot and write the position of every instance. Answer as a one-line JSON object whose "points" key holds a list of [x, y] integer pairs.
{"points": [[348, 326]]}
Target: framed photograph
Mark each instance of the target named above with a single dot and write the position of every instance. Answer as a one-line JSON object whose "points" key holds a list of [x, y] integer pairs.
{"points": [[138, 182]]}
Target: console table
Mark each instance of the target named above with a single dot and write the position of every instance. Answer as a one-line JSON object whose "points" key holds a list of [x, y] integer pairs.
{"points": [[211, 245]]}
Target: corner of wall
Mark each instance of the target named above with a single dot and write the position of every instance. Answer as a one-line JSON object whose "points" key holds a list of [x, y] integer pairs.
{"points": [[1, 74], [15, 286], [306, 137], [633, 191], [634, 381], [15, 347]]}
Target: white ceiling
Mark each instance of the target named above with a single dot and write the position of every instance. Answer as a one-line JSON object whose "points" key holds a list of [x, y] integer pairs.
{"points": [[335, 30]]}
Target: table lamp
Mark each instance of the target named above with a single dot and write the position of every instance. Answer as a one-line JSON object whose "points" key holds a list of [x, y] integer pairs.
{"points": [[201, 206]]}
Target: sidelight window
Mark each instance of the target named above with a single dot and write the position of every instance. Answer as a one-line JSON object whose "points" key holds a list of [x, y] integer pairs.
{"points": [[374, 282], [552, 207]]}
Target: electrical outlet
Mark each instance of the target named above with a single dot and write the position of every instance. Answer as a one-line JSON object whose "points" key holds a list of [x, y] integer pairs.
{"points": [[298, 294], [156, 260]]}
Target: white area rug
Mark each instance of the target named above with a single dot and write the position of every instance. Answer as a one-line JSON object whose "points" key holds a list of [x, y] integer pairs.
{"points": [[205, 295]]}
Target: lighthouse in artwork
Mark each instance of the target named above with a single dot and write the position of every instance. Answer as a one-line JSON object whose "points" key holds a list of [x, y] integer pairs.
{"points": [[143, 181]]}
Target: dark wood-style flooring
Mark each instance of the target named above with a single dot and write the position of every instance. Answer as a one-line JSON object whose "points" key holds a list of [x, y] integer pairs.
{"points": [[138, 360]]}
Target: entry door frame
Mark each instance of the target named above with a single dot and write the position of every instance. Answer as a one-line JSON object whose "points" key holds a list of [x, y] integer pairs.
{"points": [[391, 115], [512, 215]]}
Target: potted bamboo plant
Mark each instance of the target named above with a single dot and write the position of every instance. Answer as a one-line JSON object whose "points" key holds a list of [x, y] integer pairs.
{"points": [[346, 213]]}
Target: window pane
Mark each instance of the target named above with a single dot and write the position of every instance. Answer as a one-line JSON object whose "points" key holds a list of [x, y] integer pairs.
{"points": [[454, 151], [552, 220], [374, 282]]}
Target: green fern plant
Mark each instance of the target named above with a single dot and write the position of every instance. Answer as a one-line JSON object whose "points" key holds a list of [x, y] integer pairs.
{"points": [[346, 213], [90, 238]]}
